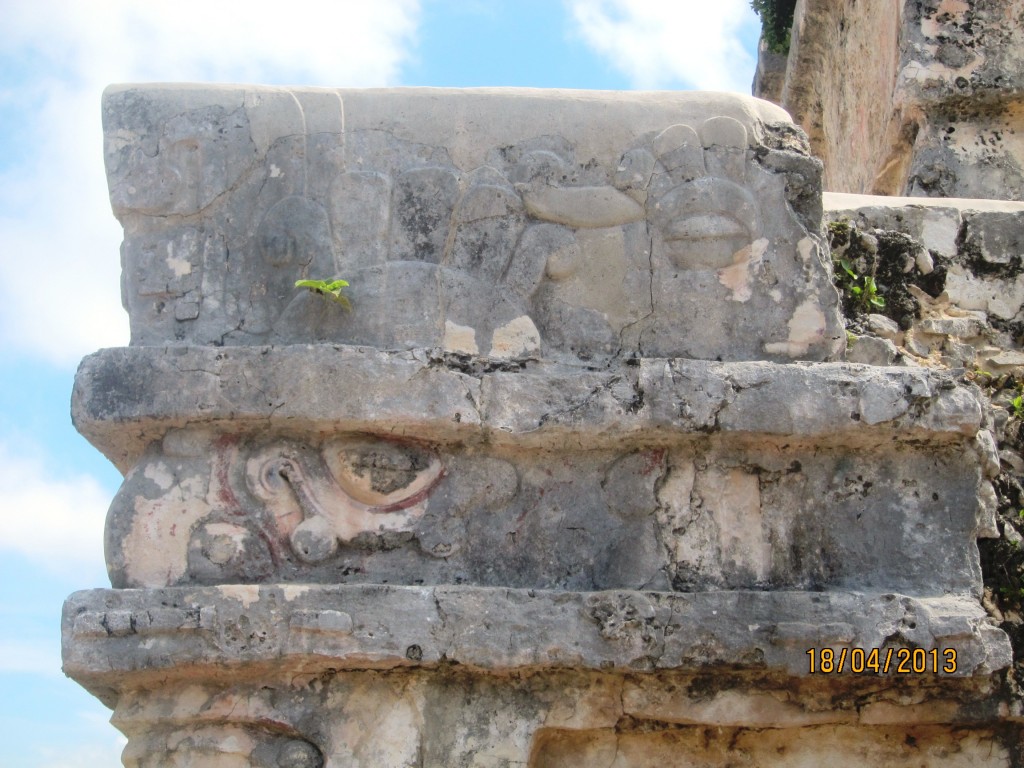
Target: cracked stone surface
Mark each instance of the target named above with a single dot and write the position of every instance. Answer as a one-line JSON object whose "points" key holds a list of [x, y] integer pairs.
{"points": [[381, 467], [569, 225], [407, 676], [382, 627], [578, 480]]}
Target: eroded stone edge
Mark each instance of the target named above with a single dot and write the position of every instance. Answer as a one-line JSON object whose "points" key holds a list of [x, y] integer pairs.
{"points": [[125, 398], [111, 635]]}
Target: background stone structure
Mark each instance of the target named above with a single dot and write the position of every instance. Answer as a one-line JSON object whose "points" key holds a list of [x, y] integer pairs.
{"points": [[582, 477], [907, 97], [934, 116]]}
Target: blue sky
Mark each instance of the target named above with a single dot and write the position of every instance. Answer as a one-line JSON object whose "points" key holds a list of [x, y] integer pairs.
{"points": [[59, 263]]}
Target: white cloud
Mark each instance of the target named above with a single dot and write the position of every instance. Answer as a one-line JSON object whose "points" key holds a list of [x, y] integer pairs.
{"points": [[55, 522], [683, 43], [59, 265]]}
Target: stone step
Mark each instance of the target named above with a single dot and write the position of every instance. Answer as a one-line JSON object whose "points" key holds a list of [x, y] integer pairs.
{"points": [[122, 638], [124, 399]]}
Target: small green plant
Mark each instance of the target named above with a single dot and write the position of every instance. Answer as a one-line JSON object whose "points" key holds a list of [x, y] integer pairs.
{"points": [[863, 287], [1018, 408], [329, 289]]}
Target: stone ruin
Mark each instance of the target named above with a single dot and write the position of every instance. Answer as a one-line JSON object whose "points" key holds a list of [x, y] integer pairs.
{"points": [[582, 478]]}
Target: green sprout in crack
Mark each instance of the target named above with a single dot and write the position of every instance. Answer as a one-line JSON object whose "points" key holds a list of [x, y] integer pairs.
{"points": [[329, 289], [862, 287]]}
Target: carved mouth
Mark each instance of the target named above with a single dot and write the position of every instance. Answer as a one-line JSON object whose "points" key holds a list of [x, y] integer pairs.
{"points": [[705, 226], [705, 240], [704, 223]]}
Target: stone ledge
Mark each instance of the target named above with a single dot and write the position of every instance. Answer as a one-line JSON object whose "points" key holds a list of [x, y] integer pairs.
{"points": [[846, 201], [126, 398], [110, 637]]}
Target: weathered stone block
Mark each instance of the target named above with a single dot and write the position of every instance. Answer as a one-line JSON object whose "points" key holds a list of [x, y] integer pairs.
{"points": [[568, 225], [574, 474]]}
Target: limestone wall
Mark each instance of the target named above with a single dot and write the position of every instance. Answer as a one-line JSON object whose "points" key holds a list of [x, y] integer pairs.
{"points": [[949, 271], [852, 119], [579, 476]]}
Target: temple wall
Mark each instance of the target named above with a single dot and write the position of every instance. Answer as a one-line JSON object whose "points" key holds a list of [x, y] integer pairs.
{"points": [[592, 461]]}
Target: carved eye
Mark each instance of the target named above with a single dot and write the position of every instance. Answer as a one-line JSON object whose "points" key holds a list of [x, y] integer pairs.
{"points": [[382, 474], [279, 471]]}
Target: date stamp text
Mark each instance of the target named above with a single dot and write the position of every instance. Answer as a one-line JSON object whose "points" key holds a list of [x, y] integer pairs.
{"points": [[882, 661]]}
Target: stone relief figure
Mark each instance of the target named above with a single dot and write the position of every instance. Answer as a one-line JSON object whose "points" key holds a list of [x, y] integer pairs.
{"points": [[226, 508], [430, 273], [678, 242], [535, 249], [199, 267], [262, 504], [208, 508], [562, 251], [347, 489]]}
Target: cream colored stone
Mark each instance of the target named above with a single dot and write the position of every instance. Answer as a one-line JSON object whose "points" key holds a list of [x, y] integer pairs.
{"points": [[459, 339], [750, 709], [179, 266], [739, 277], [806, 327], [846, 201], [837, 746], [997, 297], [517, 338], [381, 725], [939, 231], [156, 544], [159, 474], [733, 498], [246, 594]]}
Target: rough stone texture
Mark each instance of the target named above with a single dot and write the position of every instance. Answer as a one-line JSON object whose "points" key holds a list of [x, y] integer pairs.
{"points": [[406, 676], [382, 627], [576, 481], [961, 270], [962, 258], [126, 399], [924, 97], [647, 477], [770, 75], [511, 224]]}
